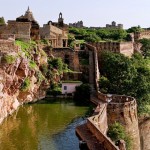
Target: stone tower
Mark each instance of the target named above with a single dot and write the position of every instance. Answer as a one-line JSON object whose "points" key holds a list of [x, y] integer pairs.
{"points": [[60, 20], [123, 109]]}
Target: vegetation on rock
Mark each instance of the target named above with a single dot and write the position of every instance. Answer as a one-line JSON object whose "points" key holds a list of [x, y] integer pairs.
{"points": [[9, 59], [25, 85]]}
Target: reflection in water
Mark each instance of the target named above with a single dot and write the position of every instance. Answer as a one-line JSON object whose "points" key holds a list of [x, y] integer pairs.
{"points": [[42, 126]]}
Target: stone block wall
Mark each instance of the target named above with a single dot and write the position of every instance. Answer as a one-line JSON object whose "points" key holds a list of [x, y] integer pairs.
{"points": [[123, 109], [125, 48], [7, 46], [141, 35], [21, 30], [98, 126], [68, 56]]}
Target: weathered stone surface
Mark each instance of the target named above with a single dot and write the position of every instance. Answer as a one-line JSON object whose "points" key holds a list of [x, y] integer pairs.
{"points": [[145, 134], [12, 77]]}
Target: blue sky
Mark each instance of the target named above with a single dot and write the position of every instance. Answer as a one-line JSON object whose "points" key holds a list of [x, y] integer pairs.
{"points": [[92, 12]]}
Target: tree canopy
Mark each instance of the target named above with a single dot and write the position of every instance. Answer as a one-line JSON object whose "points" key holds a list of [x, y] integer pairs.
{"points": [[2, 21], [145, 47], [129, 76], [96, 35]]}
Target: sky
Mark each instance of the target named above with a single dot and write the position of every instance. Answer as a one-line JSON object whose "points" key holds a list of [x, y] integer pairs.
{"points": [[92, 12]]}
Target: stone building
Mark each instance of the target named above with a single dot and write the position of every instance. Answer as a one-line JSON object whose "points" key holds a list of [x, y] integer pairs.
{"points": [[60, 24], [57, 36], [55, 32], [78, 24], [24, 27], [113, 25]]}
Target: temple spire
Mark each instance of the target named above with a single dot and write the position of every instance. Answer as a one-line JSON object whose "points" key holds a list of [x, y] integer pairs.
{"points": [[28, 10]]}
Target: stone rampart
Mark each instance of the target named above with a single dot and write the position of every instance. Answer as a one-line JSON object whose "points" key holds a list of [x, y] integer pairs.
{"points": [[69, 56], [125, 48], [141, 35], [7, 37], [106, 142], [8, 46], [123, 109], [93, 70], [21, 30]]}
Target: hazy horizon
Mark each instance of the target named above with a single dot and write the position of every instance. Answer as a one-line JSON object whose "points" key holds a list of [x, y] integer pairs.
{"points": [[92, 13]]}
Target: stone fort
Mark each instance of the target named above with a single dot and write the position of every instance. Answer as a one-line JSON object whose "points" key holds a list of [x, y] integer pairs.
{"points": [[27, 28]]}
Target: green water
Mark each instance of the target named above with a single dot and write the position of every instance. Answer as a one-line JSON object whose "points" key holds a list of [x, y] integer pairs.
{"points": [[42, 126]]}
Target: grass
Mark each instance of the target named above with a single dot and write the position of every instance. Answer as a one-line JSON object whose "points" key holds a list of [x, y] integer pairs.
{"points": [[32, 65], [26, 47]]}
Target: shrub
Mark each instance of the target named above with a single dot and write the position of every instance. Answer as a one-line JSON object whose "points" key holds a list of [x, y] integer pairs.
{"points": [[26, 84], [55, 89], [44, 69], [82, 94], [39, 77], [116, 132]]}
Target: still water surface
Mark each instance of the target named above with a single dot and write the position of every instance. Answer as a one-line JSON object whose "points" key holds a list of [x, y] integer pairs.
{"points": [[42, 126]]}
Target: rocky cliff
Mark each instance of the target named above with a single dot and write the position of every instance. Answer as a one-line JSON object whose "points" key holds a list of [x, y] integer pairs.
{"points": [[22, 76]]}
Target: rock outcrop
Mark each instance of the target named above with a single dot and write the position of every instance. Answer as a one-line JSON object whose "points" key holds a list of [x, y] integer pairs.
{"points": [[21, 79]]}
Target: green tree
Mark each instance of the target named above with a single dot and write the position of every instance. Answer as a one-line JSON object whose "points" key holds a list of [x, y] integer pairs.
{"points": [[2, 21], [134, 29], [82, 94], [119, 71], [129, 76], [145, 47]]}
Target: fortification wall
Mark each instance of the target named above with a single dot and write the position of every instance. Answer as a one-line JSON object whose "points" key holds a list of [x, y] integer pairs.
{"points": [[8, 46], [97, 124], [125, 48], [93, 69], [123, 109], [141, 35], [45, 31], [21, 30], [144, 133], [68, 56]]}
